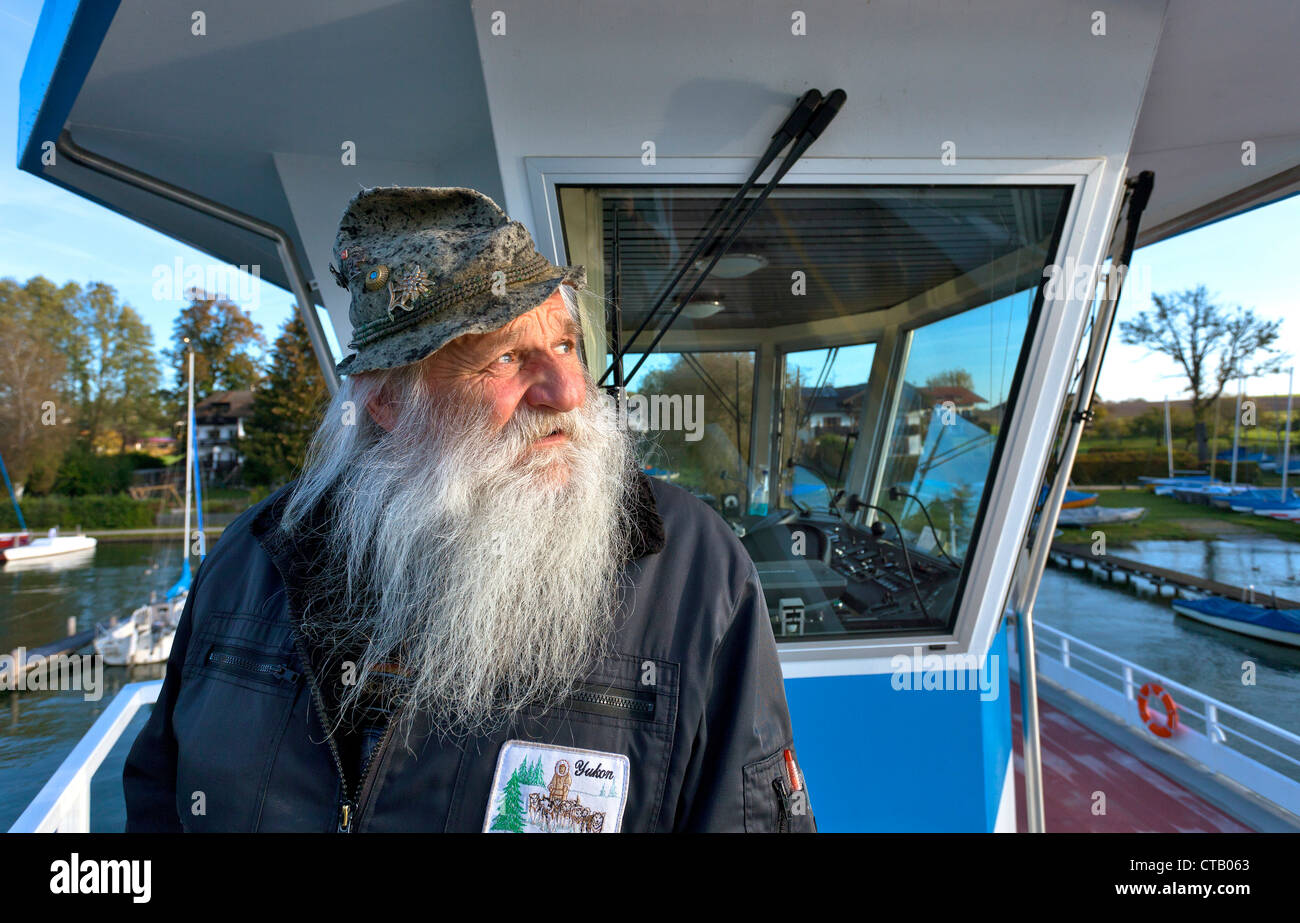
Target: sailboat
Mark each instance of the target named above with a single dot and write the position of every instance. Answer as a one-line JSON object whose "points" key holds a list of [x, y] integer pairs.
{"points": [[146, 637], [20, 546]]}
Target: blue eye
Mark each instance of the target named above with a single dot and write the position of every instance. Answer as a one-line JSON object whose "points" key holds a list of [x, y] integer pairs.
{"points": [[509, 356]]}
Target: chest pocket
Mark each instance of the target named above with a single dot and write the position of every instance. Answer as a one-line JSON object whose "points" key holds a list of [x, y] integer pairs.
{"points": [[240, 682], [626, 707]]}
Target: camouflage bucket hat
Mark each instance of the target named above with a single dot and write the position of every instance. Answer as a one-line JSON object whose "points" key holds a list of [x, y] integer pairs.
{"points": [[425, 265]]}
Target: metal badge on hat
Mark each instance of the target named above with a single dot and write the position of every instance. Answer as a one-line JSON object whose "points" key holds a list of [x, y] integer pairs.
{"points": [[411, 284], [350, 259]]}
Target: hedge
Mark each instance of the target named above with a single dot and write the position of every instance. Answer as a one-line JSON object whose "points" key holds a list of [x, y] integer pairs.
{"points": [[1127, 465], [82, 473], [114, 511]]}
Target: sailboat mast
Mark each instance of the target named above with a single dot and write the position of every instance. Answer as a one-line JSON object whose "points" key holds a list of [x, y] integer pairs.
{"points": [[1214, 441], [1169, 437], [189, 447], [22, 524], [1236, 432], [1286, 445]]}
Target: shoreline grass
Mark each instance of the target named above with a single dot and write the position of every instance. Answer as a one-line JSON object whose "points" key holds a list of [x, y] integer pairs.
{"points": [[1168, 518]]}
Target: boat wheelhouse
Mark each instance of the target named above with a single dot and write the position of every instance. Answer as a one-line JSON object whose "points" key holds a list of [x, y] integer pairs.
{"points": [[941, 261]]}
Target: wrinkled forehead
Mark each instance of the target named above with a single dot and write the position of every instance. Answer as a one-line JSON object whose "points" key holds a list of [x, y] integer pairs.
{"points": [[550, 319]]}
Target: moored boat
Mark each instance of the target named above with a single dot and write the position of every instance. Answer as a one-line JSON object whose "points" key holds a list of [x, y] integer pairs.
{"points": [[1099, 515], [48, 546], [1279, 625], [146, 637]]}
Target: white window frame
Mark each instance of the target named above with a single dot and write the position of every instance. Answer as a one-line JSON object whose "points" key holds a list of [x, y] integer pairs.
{"points": [[1096, 191]]}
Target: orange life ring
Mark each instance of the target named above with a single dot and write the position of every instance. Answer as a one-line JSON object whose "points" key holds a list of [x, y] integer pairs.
{"points": [[1171, 711]]}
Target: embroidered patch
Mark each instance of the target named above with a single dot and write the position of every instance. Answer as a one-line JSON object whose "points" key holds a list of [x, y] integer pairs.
{"points": [[539, 788]]}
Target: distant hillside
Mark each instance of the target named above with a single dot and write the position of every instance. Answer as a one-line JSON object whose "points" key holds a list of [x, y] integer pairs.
{"points": [[1271, 403]]}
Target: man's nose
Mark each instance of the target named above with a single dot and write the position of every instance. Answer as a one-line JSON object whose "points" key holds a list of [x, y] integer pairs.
{"points": [[556, 386]]}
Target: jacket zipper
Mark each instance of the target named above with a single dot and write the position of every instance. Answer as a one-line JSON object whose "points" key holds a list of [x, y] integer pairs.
{"points": [[348, 806], [607, 700], [782, 804], [277, 670]]}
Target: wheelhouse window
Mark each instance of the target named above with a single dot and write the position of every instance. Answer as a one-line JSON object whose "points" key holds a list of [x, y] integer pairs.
{"points": [[837, 387], [690, 414]]}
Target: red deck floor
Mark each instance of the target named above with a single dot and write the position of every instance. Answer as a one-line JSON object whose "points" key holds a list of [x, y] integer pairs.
{"points": [[1078, 762]]}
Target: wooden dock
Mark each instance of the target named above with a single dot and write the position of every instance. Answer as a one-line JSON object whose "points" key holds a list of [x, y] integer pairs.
{"points": [[34, 657], [1160, 576]]}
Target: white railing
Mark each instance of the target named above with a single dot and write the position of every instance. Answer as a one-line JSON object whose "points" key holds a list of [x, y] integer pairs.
{"points": [[63, 805], [1111, 683], [1210, 732]]}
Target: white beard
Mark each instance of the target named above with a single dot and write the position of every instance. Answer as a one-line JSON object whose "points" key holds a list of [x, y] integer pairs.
{"points": [[488, 570]]}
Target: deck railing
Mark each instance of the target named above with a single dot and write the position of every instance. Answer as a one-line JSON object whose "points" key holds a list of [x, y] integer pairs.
{"points": [[1257, 755], [1217, 735], [63, 805]]}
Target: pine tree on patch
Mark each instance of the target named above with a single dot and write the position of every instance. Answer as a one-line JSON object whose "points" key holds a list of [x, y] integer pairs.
{"points": [[510, 812], [532, 773]]}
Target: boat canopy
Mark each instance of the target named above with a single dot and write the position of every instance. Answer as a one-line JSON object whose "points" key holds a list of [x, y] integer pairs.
{"points": [[883, 331]]}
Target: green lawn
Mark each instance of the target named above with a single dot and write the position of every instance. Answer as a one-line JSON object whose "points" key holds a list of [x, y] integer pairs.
{"points": [[1168, 518]]}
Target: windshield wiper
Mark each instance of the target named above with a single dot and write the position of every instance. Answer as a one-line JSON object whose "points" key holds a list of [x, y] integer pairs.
{"points": [[805, 125]]}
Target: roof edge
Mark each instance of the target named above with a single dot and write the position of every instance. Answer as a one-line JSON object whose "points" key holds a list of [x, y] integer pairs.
{"points": [[64, 46]]}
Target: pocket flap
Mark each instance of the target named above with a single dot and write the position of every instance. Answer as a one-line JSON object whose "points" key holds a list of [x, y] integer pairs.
{"points": [[776, 796]]}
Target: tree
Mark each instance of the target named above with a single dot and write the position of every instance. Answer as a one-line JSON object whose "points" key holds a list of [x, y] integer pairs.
{"points": [[35, 418], [286, 408], [80, 360], [951, 378], [721, 440], [223, 337], [1210, 345], [510, 812], [116, 370]]}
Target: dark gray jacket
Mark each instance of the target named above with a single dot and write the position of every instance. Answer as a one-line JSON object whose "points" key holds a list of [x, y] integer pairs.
{"points": [[236, 741]]}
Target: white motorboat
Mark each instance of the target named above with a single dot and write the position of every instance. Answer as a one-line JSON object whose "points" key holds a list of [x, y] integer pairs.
{"points": [[48, 546]]}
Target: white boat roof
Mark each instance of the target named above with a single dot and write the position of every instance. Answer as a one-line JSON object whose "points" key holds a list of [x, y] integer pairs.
{"points": [[253, 113]]}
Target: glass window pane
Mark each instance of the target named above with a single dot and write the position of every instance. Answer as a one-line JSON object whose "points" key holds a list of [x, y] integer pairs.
{"points": [[769, 406], [690, 414], [822, 400], [951, 409]]}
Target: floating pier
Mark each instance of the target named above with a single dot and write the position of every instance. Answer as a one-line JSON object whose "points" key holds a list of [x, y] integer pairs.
{"points": [[1126, 569]]}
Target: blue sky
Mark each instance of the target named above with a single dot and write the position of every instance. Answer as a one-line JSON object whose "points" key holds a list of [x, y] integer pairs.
{"points": [[1249, 260]]}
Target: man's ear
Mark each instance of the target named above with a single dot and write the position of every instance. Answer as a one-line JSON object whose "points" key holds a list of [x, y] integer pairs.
{"points": [[381, 411]]}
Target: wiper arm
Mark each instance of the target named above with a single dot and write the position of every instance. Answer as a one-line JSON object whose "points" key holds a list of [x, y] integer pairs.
{"points": [[829, 108], [804, 125]]}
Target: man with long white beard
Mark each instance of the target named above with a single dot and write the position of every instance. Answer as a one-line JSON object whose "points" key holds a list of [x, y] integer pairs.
{"points": [[472, 610]]}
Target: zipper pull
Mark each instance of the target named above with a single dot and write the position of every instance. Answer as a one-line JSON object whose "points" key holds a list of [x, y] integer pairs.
{"points": [[346, 816], [782, 804], [283, 672]]}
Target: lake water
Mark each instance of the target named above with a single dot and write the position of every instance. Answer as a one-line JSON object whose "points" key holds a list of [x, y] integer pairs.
{"points": [[40, 728], [1147, 631]]}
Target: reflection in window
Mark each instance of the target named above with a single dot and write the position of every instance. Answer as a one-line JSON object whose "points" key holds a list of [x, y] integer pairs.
{"points": [[768, 408], [691, 416], [951, 409], [822, 401]]}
